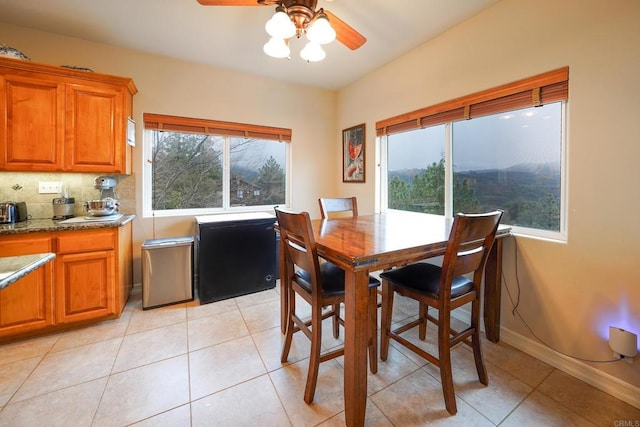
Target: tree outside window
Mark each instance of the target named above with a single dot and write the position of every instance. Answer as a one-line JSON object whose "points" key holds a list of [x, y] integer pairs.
{"points": [[188, 171]]}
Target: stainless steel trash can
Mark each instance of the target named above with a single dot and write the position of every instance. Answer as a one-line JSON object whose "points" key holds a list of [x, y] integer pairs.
{"points": [[167, 271]]}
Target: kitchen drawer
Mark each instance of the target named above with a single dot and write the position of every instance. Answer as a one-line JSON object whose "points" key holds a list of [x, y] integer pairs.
{"points": [[86, 241], [24, 245]]}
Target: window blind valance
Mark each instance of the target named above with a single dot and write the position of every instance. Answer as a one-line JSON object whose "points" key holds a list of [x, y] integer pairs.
{"points": [[214, 127], [538, 90]]}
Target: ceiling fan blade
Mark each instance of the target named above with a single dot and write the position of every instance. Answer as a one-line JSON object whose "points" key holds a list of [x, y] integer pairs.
{"points": [[345, 33], [232, 2]]}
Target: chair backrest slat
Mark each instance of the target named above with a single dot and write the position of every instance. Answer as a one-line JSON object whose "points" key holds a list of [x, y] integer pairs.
{"points": [[296, 238], [338, 205], [470, 241]]}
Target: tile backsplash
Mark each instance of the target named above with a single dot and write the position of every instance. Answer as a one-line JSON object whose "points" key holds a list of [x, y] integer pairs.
{"points": [[23, 187]]}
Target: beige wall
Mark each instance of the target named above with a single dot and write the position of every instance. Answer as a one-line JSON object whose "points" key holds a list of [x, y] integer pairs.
{"points": [[184, 89], [571, 292]]}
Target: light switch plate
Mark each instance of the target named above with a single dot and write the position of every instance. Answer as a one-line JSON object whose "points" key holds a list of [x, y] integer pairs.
{"points": [[49, 187]]}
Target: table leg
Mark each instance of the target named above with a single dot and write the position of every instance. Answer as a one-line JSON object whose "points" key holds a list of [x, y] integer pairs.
{"points": [[492, 292], [355, 348]]}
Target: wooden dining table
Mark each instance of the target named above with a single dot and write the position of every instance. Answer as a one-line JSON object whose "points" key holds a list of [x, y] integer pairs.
{"points": [[368, 243]]}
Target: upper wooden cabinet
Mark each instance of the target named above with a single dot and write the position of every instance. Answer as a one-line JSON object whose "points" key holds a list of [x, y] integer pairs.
{"points": [[59, 119], [32, 123]]}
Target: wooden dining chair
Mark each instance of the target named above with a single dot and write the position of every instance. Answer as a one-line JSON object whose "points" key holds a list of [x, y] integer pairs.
{"points": [[444, 288], [320, 285], [342, 205]]}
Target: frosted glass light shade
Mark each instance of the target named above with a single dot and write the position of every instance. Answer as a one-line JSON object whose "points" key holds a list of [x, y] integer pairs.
{"points": [[280, 25], [312, 52], [320, 31], [276, 48]]}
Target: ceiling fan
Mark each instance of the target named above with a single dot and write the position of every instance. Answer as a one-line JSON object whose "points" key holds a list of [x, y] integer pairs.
{"points": [[296, 18]]}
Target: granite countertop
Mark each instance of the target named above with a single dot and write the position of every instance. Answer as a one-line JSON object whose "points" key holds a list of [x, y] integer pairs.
{"points": [[13, 268], [44, 225]]}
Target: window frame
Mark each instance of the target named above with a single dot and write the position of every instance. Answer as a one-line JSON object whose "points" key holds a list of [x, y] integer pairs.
{"points": [[155, 122], [533, 91]]}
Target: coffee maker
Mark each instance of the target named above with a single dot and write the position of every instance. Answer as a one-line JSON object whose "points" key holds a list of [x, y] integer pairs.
{"points": [[63, 207]]}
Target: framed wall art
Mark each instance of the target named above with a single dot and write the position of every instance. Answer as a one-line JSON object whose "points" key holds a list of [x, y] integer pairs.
{"points": [[353, 154]]}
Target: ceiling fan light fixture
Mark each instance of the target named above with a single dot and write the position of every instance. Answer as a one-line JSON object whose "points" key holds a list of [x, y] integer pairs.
{"points": [[280, 25], [312, 52], [320, 31], [276, 48]]}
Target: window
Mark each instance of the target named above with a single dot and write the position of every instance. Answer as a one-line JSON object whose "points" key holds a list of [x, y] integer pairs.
{"points": [[199, 166], [511, 161], [415, 170], [502, 148]]}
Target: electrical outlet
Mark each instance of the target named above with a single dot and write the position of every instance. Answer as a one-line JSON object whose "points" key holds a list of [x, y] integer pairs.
{"points": [[49, 187]]}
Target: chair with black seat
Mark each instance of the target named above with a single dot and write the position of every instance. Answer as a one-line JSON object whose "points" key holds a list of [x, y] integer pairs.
{"points": [[320, 285], [445, 289], [341, 205]]}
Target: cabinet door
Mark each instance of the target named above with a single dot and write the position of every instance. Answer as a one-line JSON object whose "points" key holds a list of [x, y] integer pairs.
{"points": [[95, 129], [25, 305], [85, 286], [32, 127]]}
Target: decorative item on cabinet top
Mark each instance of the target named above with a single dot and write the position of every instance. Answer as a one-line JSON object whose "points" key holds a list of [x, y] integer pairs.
{"points": [[9, 52], [78, 68]]}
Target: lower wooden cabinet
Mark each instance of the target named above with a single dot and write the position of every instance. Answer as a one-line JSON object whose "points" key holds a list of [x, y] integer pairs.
{"points": [[84, 286], [90, 279], [27, 304]]}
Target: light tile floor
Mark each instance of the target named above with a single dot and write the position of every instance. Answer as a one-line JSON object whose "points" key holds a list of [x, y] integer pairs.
{"points": [[219, 364]]}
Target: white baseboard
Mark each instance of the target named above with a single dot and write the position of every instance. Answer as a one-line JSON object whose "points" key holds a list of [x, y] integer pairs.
{"points": [[599, 379], [136, 289], [590, 375]]}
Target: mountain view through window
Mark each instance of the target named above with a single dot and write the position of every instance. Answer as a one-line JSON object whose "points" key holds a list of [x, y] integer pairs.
{"points": [[509, 161]]}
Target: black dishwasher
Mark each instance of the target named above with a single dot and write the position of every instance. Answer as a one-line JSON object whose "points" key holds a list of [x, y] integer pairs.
{"points": [[236, 255]]}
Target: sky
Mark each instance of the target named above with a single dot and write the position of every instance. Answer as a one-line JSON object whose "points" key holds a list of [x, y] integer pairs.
{"points": [[259, 152], [531, 135]]}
